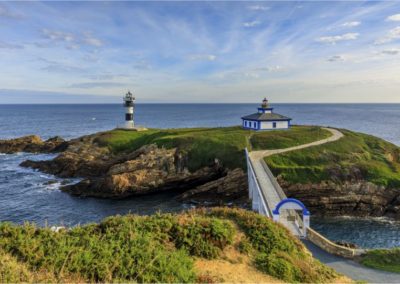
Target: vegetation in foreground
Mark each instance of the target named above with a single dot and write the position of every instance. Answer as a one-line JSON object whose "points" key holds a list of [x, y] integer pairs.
{"points": [[157, 248], [203, 145], [356, 156], [384, 259]]}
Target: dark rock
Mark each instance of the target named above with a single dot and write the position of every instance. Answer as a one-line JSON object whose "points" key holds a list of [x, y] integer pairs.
{"points": [[147, 170], [351, 198], [49, 182], [33, 144], [347, 244], [231, 188]]}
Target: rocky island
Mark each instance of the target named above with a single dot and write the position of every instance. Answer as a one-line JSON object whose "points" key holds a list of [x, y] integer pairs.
{"points": [[358, 175]]}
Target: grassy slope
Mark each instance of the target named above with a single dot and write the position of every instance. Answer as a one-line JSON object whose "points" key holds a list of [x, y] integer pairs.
{"points": [[203, 145], [388, 260], [297, 135], [157, 248], [371, 158]]}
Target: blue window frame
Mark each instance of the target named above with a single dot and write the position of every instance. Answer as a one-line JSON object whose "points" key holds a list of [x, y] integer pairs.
{"points": [[273, 124]]}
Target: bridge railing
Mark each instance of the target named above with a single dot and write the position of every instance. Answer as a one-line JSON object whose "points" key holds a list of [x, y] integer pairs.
{"points": [[276, 185], [292, 213], [259, 201]]}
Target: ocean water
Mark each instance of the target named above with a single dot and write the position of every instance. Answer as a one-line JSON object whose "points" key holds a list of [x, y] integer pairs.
{"points": [[28, 195]]}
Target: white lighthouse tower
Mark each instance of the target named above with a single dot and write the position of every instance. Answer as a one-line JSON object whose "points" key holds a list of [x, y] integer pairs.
{"points": [[129, 104]]}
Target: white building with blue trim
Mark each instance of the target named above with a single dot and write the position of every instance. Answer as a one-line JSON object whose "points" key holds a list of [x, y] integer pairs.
{"points": [[265, 119]]}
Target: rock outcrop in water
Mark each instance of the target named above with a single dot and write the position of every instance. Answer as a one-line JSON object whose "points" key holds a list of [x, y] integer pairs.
{"points": [[149, 169], [32, 144], [356, 198]]}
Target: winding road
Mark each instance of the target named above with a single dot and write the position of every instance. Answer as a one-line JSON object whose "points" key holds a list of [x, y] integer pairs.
{"points": [[350, 268]]}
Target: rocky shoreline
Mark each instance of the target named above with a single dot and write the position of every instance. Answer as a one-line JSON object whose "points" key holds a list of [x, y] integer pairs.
{"points": [[151, 169], [147, 170]]}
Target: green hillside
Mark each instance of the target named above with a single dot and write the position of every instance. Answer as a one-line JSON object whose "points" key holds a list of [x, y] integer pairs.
{"points": [[203, 145], [157, 248], [355, 156]]}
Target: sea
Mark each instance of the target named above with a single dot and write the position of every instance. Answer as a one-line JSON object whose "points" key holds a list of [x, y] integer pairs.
{"points": [[31, 196]]}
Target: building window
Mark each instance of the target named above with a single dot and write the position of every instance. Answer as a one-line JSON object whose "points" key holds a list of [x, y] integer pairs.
{"points": [[273, 124]]}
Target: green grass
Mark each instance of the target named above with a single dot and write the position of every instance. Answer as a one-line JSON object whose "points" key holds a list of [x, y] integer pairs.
{"points": [[157, 248], [383, 259], [204, 145], [356, 156], [297, 135]]}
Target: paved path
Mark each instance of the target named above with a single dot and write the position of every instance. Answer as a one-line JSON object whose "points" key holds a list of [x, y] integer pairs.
{"points": [[351, 268], [336, 135], [269, 190]]}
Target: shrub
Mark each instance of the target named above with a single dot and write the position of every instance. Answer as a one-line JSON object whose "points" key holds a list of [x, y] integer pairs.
{"points": [[278, 266], [204, 237], [385, 259]]}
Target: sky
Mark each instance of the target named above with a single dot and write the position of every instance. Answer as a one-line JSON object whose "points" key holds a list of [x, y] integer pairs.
{"points": [[200, 52]]}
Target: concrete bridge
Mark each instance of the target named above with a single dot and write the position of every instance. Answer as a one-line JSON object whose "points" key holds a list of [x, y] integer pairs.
{"points": [[267, 196]]}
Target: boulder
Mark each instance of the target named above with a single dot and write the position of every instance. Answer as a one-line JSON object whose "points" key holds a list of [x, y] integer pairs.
{"points": [[351, 198], [229, 189], [32, 144]]}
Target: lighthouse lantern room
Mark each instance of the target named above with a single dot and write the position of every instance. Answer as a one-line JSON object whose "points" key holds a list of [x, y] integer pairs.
{"points": [[265, 119], [129, 104]]}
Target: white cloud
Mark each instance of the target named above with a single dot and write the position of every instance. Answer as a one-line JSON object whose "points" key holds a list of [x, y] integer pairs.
{"points": [[258, 8], [393, 51], [89, 39], [336, 58], [337, 38], [351, 24], [7, 45], [202, 57], [58, 35], [394, 18], [391, 35], [251, 24], [275, 68], [90, 85], [252, 75], [73, 41]]}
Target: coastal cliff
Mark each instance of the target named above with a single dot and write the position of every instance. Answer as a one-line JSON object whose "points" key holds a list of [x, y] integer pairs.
{"points": [[358, 175], [147, 168]]}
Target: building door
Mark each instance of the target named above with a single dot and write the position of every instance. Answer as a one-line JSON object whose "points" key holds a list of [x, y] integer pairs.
{"points": [[273, 124]]}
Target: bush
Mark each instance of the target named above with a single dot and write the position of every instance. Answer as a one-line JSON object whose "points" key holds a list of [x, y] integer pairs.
{"points": [[277, 252], [279, 267], [204, 237], [384, 259], [157, 248]]}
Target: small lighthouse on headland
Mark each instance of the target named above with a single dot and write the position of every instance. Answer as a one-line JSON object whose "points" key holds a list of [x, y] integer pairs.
{"points": [[129, 104]]}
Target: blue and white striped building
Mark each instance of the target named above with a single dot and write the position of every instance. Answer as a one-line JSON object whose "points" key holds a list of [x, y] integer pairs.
{"points": [[265, 119]]}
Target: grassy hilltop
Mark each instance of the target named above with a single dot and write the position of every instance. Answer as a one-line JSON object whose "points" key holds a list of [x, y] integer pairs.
{"points": [[355, 156], [203, 145], [197, 246]]}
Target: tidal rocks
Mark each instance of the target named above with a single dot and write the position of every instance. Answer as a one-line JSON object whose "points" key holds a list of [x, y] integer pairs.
{"points": [[148, 170], [32, 144], [229, 189], [359, 198]]}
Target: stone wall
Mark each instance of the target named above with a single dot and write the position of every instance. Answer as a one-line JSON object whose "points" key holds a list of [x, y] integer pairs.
{"points": [[330, 246]]}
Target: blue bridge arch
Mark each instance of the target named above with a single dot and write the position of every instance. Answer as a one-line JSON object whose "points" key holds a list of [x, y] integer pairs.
{"points": [[291, 200]]}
